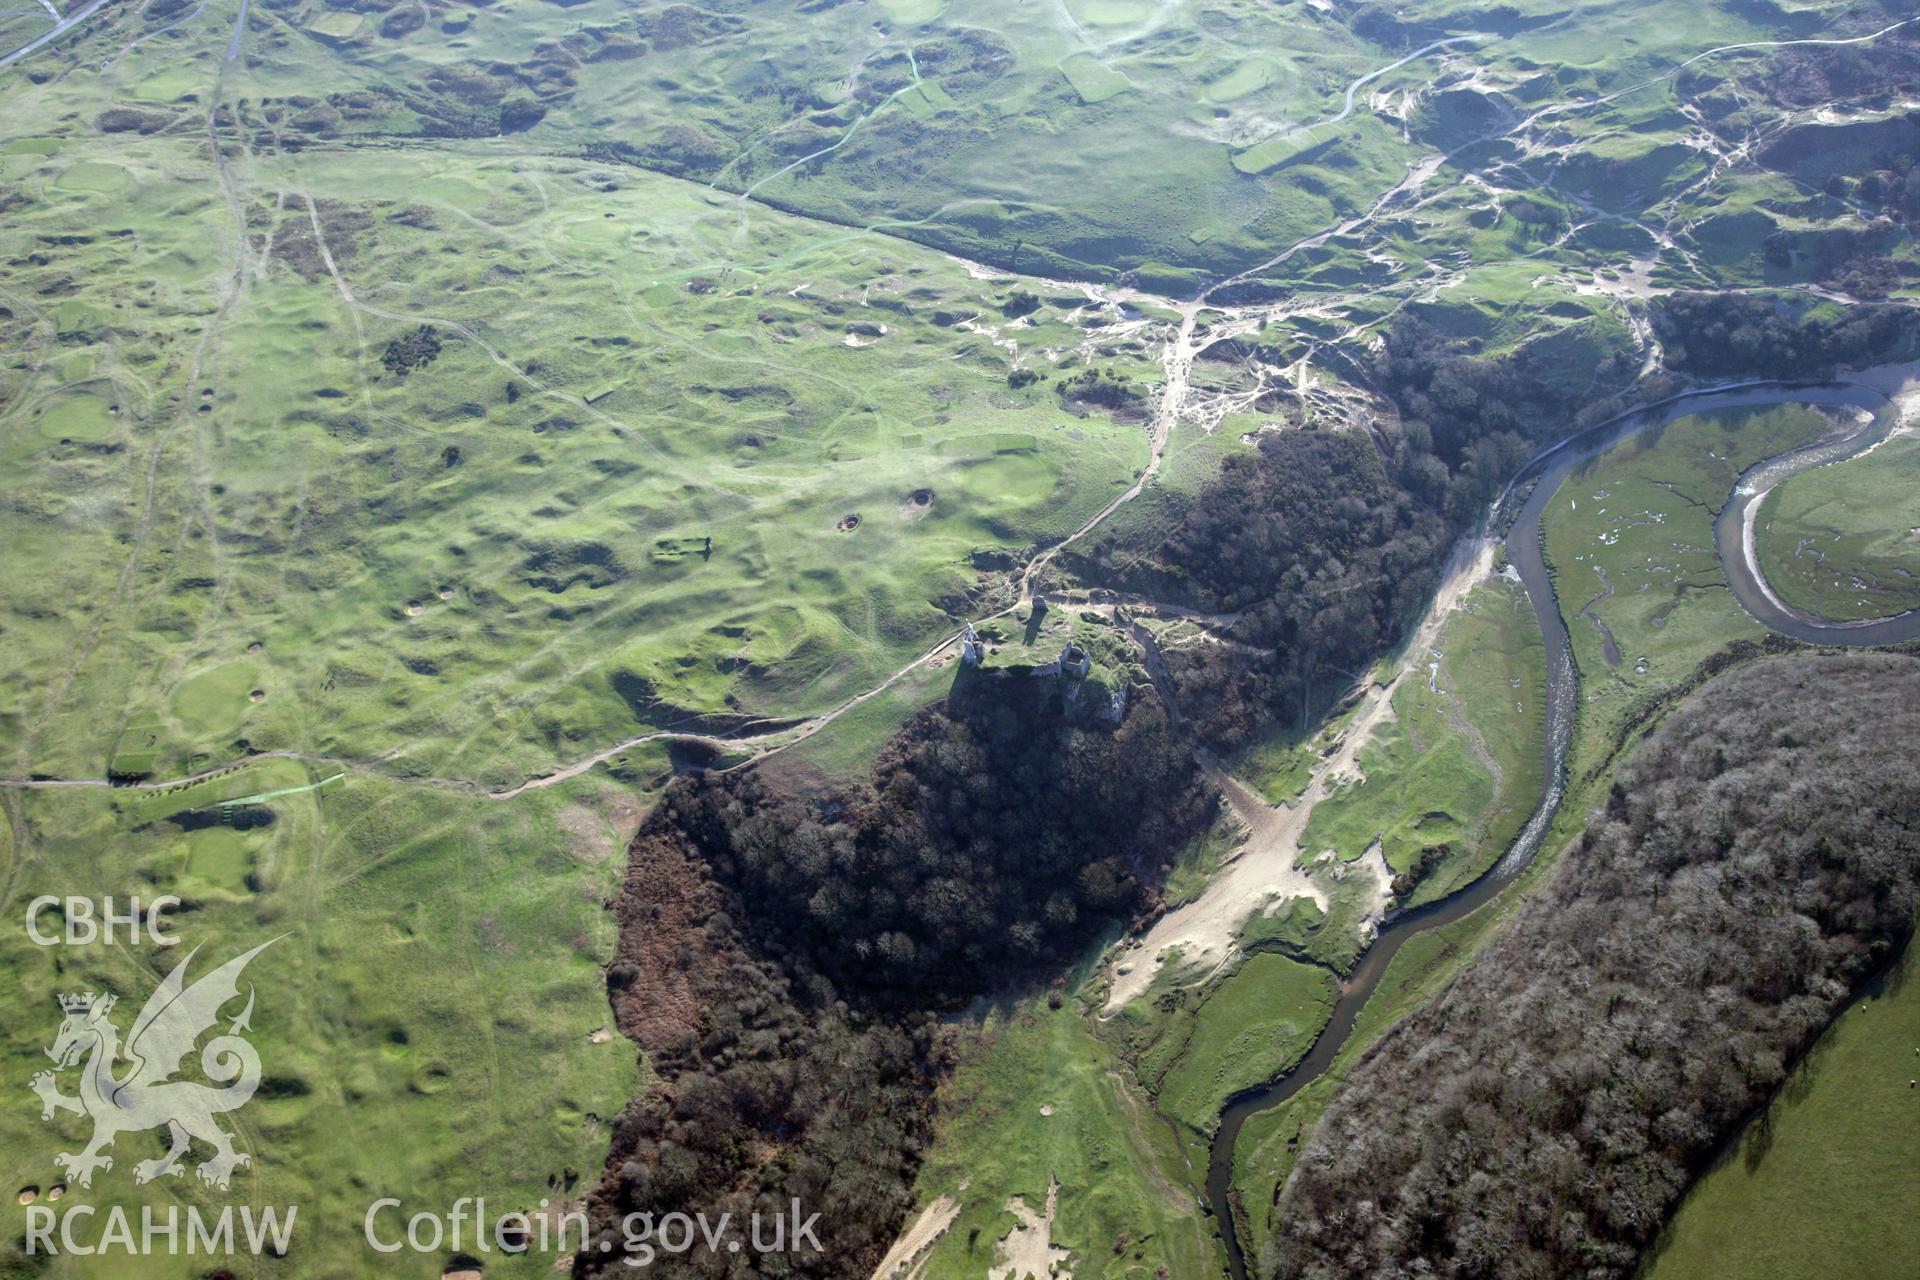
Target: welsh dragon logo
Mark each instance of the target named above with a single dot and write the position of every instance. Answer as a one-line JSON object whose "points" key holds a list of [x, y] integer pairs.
{"points": [[144, 1095]]}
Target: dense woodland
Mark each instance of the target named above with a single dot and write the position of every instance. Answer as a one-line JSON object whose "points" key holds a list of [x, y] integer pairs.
{"points": [[764, 1095], [1746, 335], [1480, 416], [996, 834], [780, 956], [1321, 550], [1757, 860]]}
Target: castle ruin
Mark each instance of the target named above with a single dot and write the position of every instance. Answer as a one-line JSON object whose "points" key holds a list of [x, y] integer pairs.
{"points": [[1072, 661]]}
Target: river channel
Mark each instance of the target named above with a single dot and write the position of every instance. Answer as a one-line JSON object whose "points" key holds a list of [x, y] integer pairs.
{"points": [[1733, 530]]}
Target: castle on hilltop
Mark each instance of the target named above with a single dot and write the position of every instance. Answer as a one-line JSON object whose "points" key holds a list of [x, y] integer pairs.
{"points": [[1072, 661]]}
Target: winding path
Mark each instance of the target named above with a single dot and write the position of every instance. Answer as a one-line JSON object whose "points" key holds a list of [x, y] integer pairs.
{"points": [[45, 38], [1355, 87]]}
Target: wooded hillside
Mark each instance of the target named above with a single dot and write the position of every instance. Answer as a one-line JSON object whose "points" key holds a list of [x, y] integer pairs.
{"points": [[1757, 860]]}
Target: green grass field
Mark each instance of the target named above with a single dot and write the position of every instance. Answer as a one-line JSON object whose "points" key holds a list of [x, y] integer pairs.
{"points": [[1843, 541], [1038, 1097], [1824, 1183], [1457, 770], [1092, 79], [429, 1020], [1629, 537], [1196, 1049]]}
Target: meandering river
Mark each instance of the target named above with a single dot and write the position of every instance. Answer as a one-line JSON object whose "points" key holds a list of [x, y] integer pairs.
{"points": [[1733, 540]]}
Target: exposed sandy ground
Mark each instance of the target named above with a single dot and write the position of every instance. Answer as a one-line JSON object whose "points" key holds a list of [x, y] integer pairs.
{"points": [[1265, 872], [1900, 383], [599, 823], [908, 1257], [1262, 875], [1374, 863], [1028, 1251]]}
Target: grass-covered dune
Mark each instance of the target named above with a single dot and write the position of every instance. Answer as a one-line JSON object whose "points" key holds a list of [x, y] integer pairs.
{"points": [[532, 459], [1756, 861], [428, 1012], [1086, 139]]}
